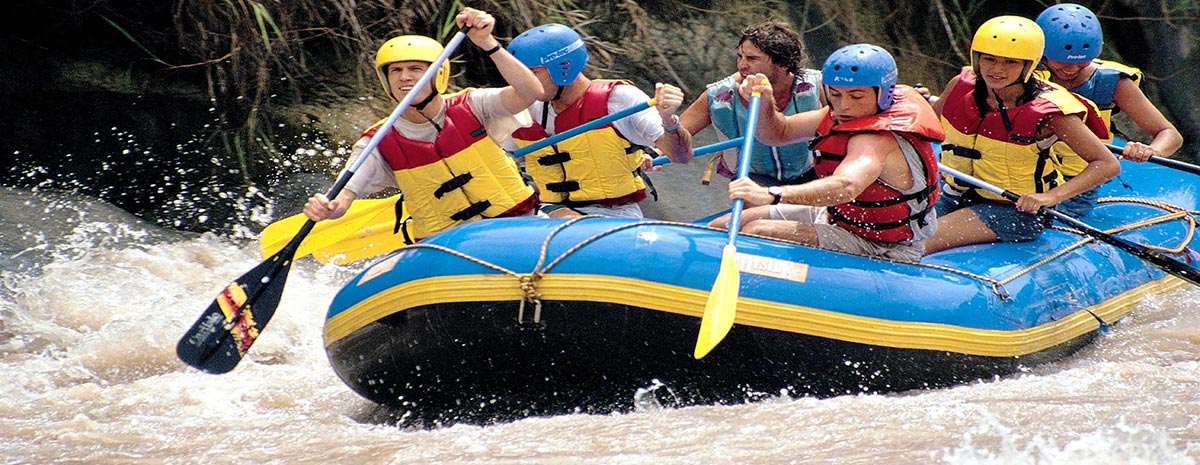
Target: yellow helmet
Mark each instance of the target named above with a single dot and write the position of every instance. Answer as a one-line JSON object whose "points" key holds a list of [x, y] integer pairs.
{"points": [[411, 48], [1009, 37]]}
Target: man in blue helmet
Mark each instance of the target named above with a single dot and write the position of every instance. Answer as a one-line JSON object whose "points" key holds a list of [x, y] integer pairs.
{"points": [[877, 173], [775, 50], [599, 171], [1073, 44]]}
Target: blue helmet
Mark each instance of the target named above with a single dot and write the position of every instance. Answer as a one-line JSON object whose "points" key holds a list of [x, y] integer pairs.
{"points": [[862, 65], [558, 48], [1073, 33]]}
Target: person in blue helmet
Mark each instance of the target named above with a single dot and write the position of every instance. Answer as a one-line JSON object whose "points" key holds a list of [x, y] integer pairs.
{"points": [[877, 174], [1074, 41], [775, 50], [600, 171]]}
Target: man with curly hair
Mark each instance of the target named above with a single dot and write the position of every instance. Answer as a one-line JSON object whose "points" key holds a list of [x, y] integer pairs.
{"points": [[773, 49]]}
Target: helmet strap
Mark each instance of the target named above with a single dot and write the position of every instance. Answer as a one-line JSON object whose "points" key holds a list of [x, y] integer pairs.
{"points": [[431, 121], [558, 94], [425, 101]]}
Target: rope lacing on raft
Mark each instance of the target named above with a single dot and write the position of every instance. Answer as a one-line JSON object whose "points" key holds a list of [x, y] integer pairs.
{"points": [[528, 282]]}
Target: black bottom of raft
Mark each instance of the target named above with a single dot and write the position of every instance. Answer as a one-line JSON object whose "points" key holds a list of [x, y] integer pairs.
{"points": [[474, 363]]}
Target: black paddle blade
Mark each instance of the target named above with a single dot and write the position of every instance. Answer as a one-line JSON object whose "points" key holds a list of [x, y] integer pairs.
{"points": [[1155, 258], [1151, 256], [216, 342]]}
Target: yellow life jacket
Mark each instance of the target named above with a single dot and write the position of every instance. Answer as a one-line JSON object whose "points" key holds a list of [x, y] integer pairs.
{"points": [[460, 177], [599, 166], [1099, 90], [1002, 147]]}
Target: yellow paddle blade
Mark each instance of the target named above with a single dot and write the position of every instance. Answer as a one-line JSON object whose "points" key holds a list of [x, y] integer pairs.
{"points": [[721, 306], [326, 234], [373, 237]]}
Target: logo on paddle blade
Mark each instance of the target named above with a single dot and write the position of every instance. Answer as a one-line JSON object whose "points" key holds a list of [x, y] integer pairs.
{"points": [[244, 330]]}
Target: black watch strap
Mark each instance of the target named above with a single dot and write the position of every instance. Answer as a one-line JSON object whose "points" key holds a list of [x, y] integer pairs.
{"points": [[777, 192]]}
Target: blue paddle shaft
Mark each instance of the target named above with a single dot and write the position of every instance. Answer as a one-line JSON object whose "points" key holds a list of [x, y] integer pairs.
{"points": [[735, 217], [577, 130], [703, 150]]}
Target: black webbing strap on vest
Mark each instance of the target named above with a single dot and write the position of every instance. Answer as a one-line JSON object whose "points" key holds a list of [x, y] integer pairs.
{"points": [[919, 217], [963, 151], [565, 186], [556, 158], [476, 209], [453, 184], [401, 222]]}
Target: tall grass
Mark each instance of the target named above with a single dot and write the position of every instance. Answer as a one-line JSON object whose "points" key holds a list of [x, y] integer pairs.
{"points": [[257, 55]]}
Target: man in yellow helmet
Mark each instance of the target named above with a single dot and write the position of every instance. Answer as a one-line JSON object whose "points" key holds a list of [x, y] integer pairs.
{"points": [[443, 153]]}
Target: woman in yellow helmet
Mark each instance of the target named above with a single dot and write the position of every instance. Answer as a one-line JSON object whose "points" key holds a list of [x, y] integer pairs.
{"points": [[1000, 122], [443, 153]]}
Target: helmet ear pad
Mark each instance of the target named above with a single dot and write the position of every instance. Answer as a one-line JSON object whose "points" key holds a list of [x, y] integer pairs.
{"points": [[411, 48], [1009, 37], [556, 47], [863, 65]]}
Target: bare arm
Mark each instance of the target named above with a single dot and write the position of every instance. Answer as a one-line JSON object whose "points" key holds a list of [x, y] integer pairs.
{"points": [[1101, 167], [696, 117], [676, 141], [864, 163], [523, 87], [1166, 139], [774, 128]]}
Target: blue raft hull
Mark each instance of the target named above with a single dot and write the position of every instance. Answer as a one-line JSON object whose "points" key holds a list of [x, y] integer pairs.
{"points": [[612, 307]]}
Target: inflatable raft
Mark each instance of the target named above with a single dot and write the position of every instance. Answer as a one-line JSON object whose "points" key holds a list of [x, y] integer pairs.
{"points": [[507, 318]]}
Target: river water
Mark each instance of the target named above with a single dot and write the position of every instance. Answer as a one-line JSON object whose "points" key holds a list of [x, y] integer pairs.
{"points": [[93, 300]]}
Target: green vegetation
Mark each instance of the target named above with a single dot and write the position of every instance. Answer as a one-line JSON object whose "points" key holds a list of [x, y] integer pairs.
{"points": [[256, 59]]}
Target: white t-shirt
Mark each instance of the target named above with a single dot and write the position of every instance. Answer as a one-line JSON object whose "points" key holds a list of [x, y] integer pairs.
{"points": [[375, 175]]}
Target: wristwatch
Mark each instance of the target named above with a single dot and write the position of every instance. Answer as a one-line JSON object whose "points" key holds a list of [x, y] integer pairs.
{"points": [[777, 192]]}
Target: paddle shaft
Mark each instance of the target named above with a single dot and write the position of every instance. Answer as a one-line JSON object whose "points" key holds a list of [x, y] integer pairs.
{"points": [[1167, 162], [1150, 256], [704, 150], [735, 217], [585, 127]]}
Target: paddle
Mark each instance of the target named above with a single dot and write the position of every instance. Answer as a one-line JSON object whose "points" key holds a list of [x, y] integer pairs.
{"points": [[1153, 257], [703, 150], [367, 225], [364, 216], [225, 331], [722, 300], [585, 127], [1167, 162]]}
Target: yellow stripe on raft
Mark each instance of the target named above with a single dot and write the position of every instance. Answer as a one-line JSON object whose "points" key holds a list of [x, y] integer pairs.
{"points": [[751, 312]]}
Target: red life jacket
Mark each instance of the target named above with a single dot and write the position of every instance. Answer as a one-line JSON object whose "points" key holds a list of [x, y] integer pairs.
{"points": [[461, 176], [882, 212], [1005, 147]]}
